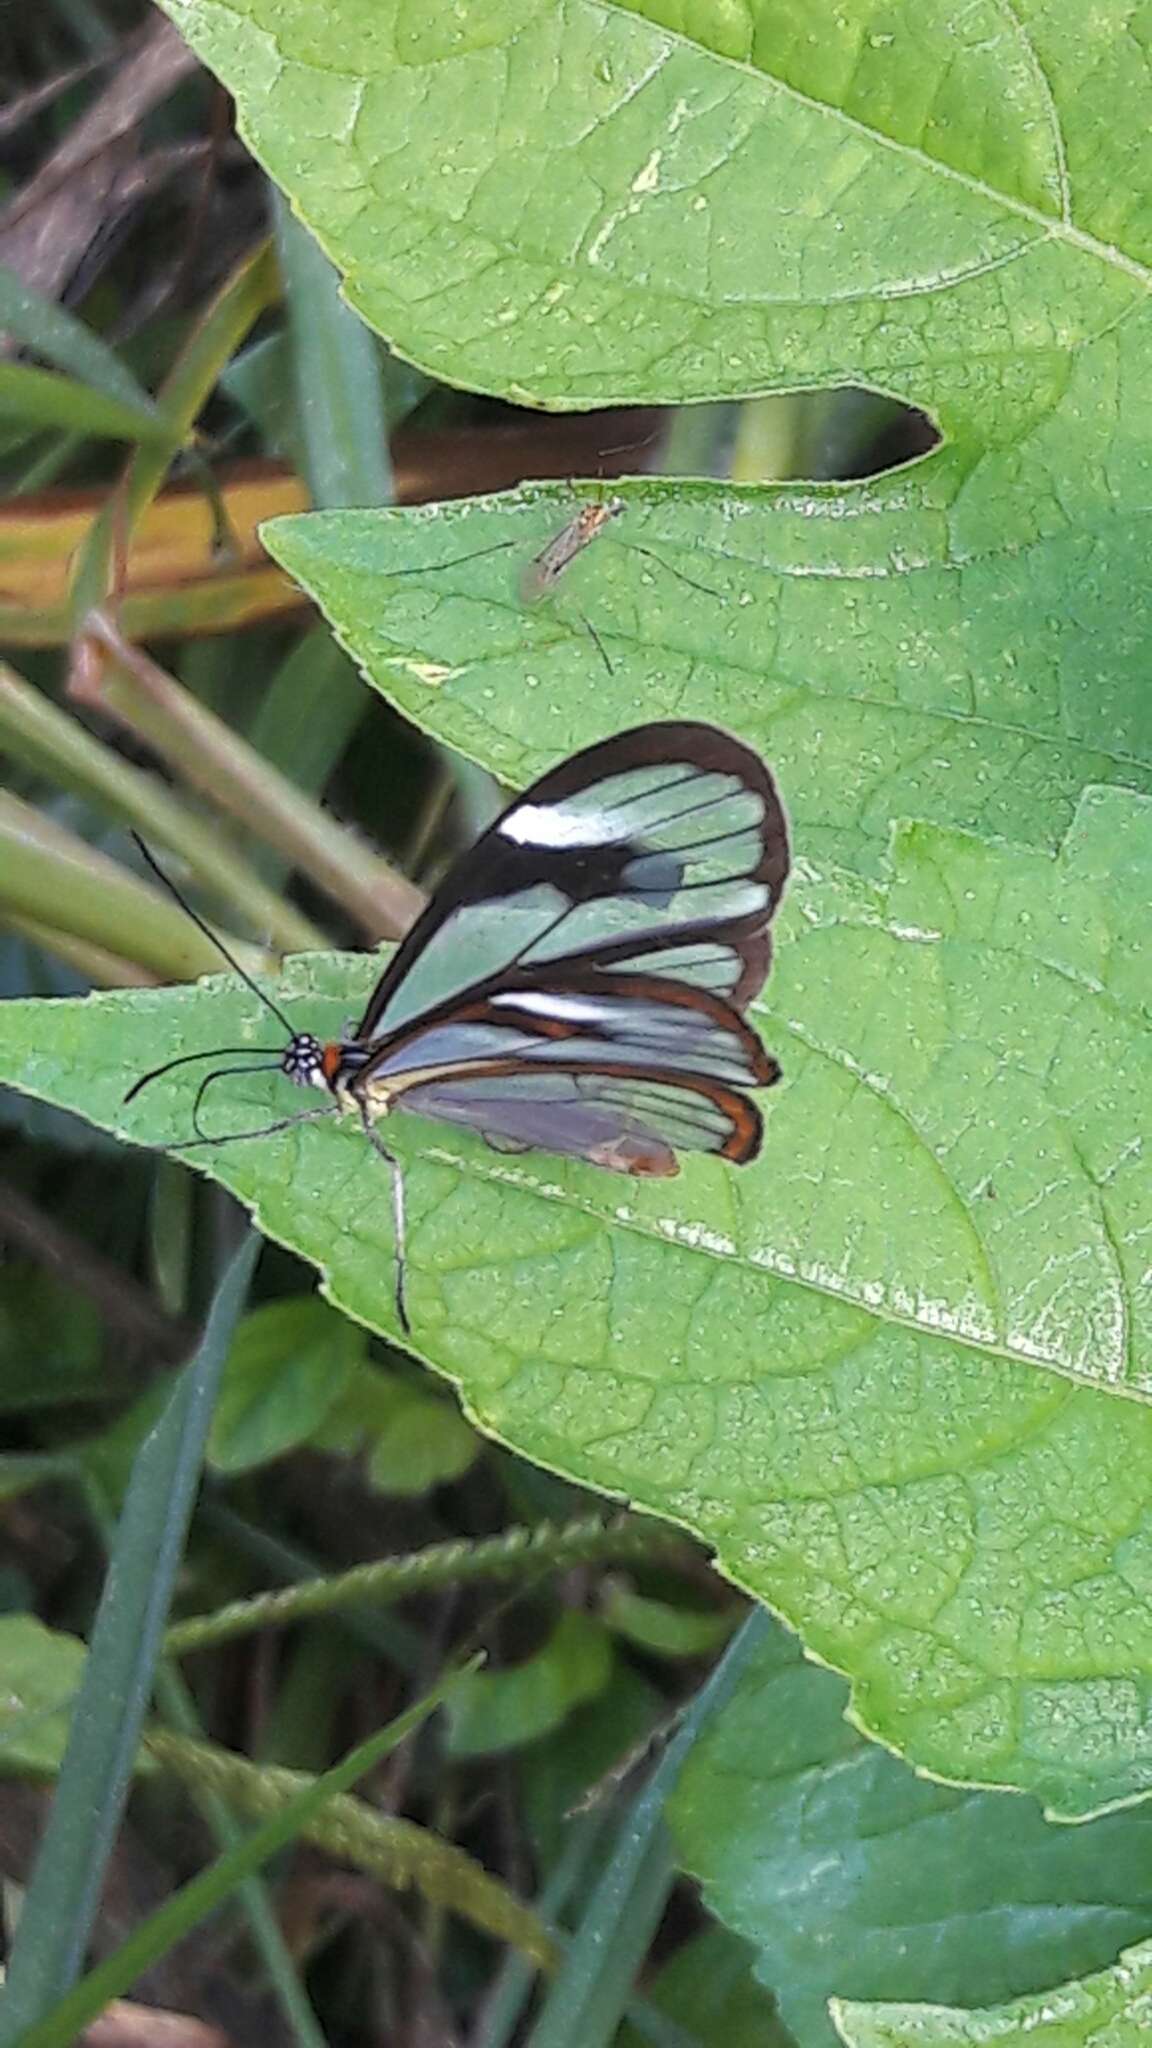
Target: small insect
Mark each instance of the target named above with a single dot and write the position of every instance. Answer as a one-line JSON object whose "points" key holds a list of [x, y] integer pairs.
{"points": [[579, 982], [543, 572], [540, 577]]}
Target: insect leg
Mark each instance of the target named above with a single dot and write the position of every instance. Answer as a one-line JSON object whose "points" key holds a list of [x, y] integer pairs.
{"points": [[399, 1216], [286, 1123], [454, 561], [705, 588], [599, 644]]}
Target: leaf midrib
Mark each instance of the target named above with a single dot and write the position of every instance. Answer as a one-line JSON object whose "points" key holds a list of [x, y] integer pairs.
{"points": [[505, 1176], [1053, 227]]}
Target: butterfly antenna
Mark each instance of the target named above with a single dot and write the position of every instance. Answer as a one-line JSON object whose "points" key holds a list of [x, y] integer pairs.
{"points": [[203, 926], [219, 1074], [214, 1052]]}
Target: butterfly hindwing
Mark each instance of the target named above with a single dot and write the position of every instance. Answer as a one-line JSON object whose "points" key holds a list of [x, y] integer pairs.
{"points": [[632, 1122]]}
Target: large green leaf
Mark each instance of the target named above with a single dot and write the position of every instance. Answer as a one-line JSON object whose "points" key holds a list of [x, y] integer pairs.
{"points": [[852, 1366], [1112, 2010], [979, 701], [796, 1825], [578, 204], [585, 203]]}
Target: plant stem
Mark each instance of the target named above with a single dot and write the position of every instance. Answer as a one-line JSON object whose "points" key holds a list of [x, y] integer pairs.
{"points": [[176, 1705], [98, 966], [37, 732], [208, 754], [246, 293], [516, 1554], [397, 1851], [51, 877]]}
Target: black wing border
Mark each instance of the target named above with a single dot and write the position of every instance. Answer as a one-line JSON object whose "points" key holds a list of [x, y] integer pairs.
{"points": [[706, 748]]}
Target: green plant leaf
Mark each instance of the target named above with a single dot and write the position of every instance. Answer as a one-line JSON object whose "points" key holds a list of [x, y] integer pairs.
{"points": [[880, 1369], [874, 694], [1111, 2010], [41, 1671], [498, 1710], [44, 398], [708, 1989], [56, 334], [426, 1443], [674, 212], [796, 1825], [689, 202], [664, 1627], [410, 1437], [287, 1367]]}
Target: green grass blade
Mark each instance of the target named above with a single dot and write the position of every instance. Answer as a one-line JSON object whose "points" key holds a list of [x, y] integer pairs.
{"points": [[203, 1893], [315, 702], [54, 333], [340, 410], [118, 1676], [593, 1987], [179, 1710]]}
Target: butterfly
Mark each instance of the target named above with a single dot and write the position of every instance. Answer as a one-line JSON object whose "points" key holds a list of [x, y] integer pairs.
{"points": [[578, 983]]}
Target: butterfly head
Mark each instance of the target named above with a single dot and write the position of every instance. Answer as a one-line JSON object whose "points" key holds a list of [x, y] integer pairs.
{"points": [[309, 1062]]}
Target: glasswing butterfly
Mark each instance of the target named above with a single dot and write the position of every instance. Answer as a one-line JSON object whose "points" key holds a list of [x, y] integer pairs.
{"points": [[577, 985]]}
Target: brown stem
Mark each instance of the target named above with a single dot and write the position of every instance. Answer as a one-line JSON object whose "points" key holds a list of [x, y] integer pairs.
{"points": [[208, 753], [125, 1306]]}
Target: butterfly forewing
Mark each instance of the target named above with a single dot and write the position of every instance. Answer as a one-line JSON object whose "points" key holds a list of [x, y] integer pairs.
{"points": [[664, 844]]}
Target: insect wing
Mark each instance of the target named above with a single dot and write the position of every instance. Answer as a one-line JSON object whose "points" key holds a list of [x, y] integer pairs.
{"points": [[632, 1123], [544, 571], [621, 1070], [663, 851]]}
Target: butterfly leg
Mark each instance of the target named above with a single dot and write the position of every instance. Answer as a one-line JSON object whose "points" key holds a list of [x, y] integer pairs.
{"points": [[399, 1215], [286, 1123]]}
